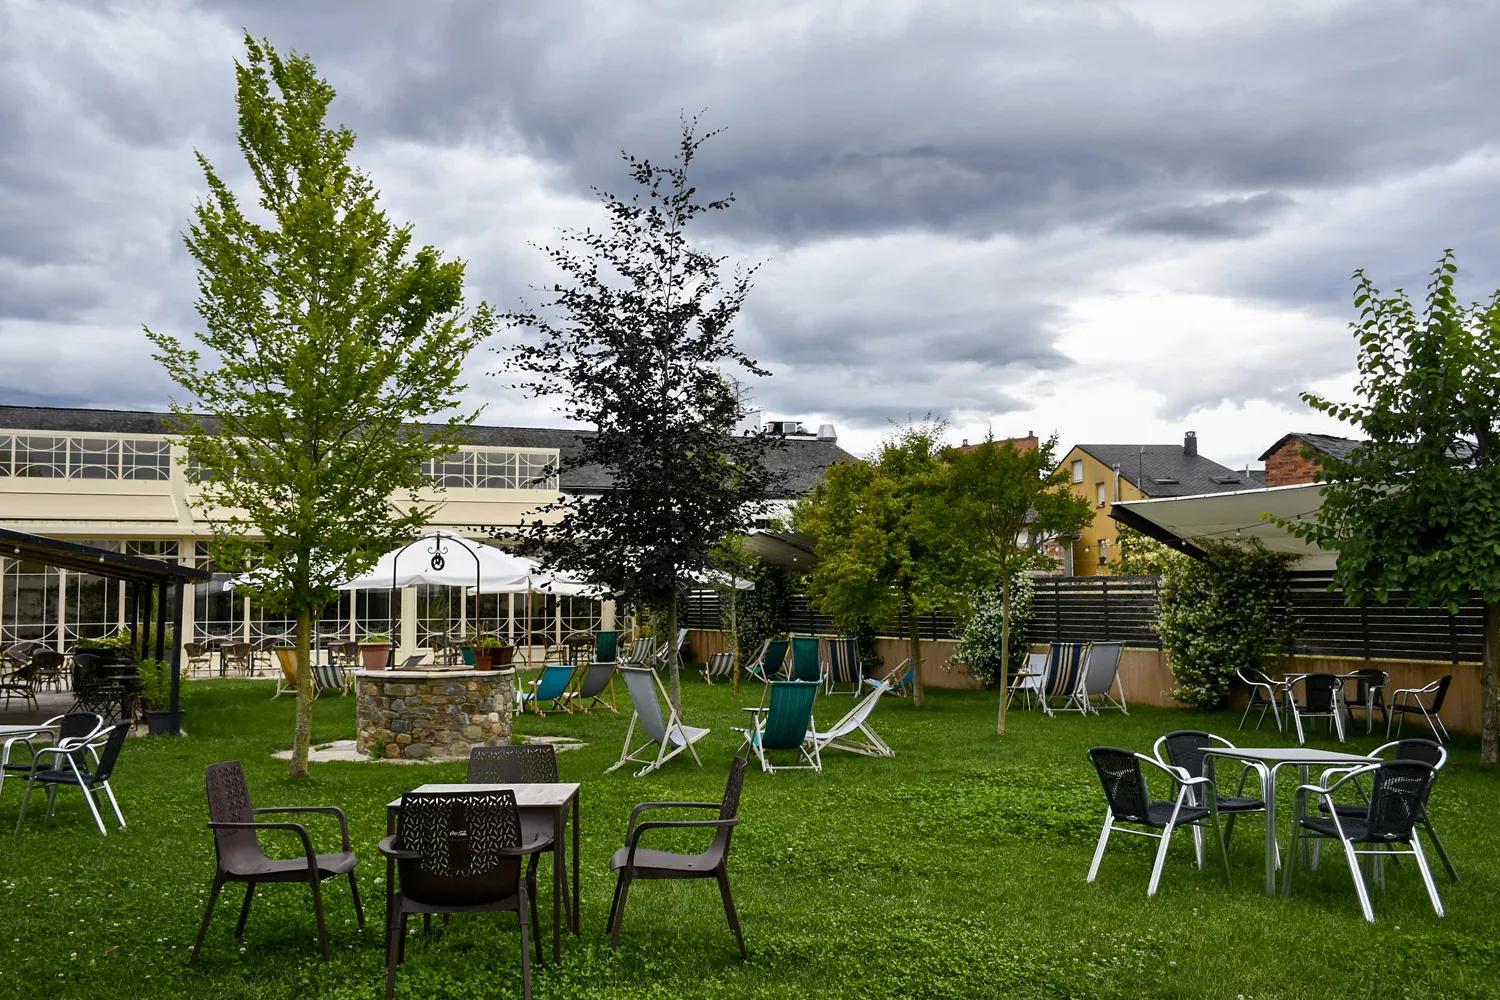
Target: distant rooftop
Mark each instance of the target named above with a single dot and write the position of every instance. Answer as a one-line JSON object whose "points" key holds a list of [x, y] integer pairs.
{"points": [[1328, 444], [1173, 470]]}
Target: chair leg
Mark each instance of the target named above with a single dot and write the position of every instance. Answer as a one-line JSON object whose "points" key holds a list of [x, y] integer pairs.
{"points": [[614, 937], [392, 955], [527, 904], [208, 914], [239, 927], [729, 911], [115, 803], [536, 920], [359, 910], [317, 894], [88, 796], [1223, 849], [614, 903], [1358, 875], [1427, 880], [1109, 820], [1161, 860], [1442, 852], [25, 797]]}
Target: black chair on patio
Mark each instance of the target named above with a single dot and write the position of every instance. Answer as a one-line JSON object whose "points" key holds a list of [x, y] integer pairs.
{"points": [[97, 690], [20, 683], [1187, 749], [240, 857], [1369, 696], [1322, 698], [634, 862], [1425, 701], [74, 731], [522, 765], [70, 767], [459, 852], [1266, 693]]}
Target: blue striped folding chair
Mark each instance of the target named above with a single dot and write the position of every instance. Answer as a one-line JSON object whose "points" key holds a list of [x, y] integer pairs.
{"points": [[843, 667], [1065, 663]]}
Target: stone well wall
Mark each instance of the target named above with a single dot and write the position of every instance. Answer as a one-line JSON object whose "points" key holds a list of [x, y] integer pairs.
{"points": [[437, 714]]}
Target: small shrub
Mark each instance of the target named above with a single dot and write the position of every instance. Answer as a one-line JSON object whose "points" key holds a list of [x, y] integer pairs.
{"points": [[156, 683], [979, 644]]}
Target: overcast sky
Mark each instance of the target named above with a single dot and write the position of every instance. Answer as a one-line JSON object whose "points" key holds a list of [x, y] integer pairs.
{"points": [[1115, 221]]}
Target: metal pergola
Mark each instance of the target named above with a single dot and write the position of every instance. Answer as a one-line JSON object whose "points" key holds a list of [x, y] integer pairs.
{"points": [[149, 581]]}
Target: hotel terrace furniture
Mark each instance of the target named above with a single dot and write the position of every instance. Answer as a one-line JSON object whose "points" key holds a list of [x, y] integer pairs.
{"points": [[47, 667], [1322, 697], [853, 732], [898, 682], [590, 682], [199, 657], [843, 668], [553, 685], [1129, 801], [240, 857], [807, 665], [633, 862], [20, 682], [1428, 701], [768, 663], [720, 665], [1369, 694], [1273, 759], [785, 725], [458, 852], [1397, 799], [664, 655], [642, 653], [1101, 675], [73, 731], [1266, 693], [557, 801], [1065, 663], [1184, 750], [669, 735], [97, 690], [69, 766], [525, 765], [1029, 682]]}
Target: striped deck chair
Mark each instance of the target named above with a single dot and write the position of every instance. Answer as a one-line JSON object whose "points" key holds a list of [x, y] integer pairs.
{"points": [[898, 682], [553, 685], [642, 654], [663, 658], [720, 665], [769, 662], [669, 735], [1065, 670], [843, 666], [807, 665], [853, 732], [786, 724], [329, 677]]}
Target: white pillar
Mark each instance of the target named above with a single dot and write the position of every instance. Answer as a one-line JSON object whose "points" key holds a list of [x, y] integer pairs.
{"points": [[62, 610], [187, 614], [408, 635], [510, 619], [606, 616]]}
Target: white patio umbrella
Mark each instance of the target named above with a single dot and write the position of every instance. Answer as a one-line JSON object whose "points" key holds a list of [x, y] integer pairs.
{"points": [[443, 559]]}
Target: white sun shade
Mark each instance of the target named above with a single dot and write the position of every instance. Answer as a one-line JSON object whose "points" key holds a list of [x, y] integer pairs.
{"points": [[1229, 516]]}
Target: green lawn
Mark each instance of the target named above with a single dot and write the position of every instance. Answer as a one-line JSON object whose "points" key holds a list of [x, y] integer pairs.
{"points": [[954, 870]]}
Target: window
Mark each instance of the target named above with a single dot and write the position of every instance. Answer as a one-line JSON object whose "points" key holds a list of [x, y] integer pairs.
{"points": [[1103, 551], [37, 457], [495, 469], [1077, 470], [1099, 493]]}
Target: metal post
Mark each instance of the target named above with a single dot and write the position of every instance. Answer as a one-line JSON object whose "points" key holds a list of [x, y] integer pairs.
{"points": [[161, 621], [176, 663]]}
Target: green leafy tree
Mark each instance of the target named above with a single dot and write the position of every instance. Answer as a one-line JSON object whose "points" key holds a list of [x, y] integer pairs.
{"points": [[639, 345], [1416, 507], [1221, 612], [1003, 503], [882, 537], [326, 335], [1138, 554]]}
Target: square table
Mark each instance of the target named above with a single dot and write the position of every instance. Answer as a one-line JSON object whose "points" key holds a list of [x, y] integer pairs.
{"points": [[14, 733], [560, 799], [1275, 758]]}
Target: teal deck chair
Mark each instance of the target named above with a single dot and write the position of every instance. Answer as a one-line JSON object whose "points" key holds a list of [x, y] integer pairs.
{"points": [[552, 686], [807, 665], [606, 647], [784, 725], [768, 663]]}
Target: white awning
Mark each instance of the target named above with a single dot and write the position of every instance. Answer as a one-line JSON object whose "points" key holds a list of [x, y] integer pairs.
{"points": [[1184, 521]]}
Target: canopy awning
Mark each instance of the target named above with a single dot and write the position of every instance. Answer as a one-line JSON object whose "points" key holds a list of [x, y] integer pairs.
{"points": [[1181, 522], [787, 549]]}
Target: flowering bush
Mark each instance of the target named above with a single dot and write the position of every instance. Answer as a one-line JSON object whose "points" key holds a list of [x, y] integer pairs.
{"points": [[979, 642], [1220, 613]]}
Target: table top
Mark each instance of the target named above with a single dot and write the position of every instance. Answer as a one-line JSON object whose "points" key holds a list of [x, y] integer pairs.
{"points": [[1290, 755], [548, 795], [18, 730]]}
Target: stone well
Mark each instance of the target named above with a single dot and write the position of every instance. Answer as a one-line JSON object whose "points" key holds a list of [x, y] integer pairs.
{"points": [[432, 714]]}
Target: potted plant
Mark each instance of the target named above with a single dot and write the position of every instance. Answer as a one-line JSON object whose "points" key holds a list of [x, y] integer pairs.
{"points": [[483, 644], [156, 697], [375, 651]]}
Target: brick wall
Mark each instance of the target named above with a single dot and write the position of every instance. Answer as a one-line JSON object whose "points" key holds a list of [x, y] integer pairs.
{"points": [[1285, 466]]}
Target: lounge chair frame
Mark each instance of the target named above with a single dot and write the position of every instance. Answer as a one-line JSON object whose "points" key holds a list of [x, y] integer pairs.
{"points": [[644, 687], [845, 734]]}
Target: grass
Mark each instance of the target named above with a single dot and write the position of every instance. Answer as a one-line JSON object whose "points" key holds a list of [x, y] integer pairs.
{"points": [[954, 870]]}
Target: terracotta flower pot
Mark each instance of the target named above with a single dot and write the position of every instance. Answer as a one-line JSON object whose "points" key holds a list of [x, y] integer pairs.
{"points": [[482, 658], [374, 655]]}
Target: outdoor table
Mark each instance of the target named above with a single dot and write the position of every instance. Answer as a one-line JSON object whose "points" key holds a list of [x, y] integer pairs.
{"points": [[16, 733], [1275, 758], [558, 798]]}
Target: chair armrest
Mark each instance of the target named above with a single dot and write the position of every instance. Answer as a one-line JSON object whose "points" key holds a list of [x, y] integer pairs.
{"points": [[1349, 774], [326, 810], [389, 849], [644, 806], [670, 824], [297, 828]]}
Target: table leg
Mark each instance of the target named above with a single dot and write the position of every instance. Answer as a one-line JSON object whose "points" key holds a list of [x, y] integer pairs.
{"points": [[577, 920], [1271, 848], [558, 888]]}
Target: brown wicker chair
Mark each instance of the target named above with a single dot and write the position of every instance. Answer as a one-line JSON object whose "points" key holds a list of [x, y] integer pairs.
{"points": [[241, 859], [459, 853], [635, 862]]}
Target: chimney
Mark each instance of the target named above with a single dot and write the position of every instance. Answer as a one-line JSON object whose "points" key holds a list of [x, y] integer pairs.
{"points": [[827, 433], [1190, 444]]}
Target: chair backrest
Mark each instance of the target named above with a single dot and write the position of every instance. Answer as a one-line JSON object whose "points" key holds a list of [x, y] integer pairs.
{"points": [[1185, 749], [1123, 783], [856, 716], [1398, 794], [843, 660], [1428, 752], [554, 681], [806, 664], [46, 661], [606, 647], [595, 679], [229, 802], [1440, 693], [462, 841], [729, 808], [111, 752], [195, 650], [328, 675], [775, 656], [77, 727], [1364, 680], [1064, 665], [1254, 675], [86, 670], [789, 716], [507, 765], [1103, 664], [287, 657], [641, 683], [1317, 692], [641, 652], [721, 664]]}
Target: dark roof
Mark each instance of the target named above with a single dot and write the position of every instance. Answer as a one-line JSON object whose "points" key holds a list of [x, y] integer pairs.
{"points": [[1166, 470], [800, 464], [1328, 444], [96, 561]]}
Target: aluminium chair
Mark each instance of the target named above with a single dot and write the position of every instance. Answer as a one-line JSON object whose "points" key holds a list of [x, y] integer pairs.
{"points": [[240, 857], [1065, 672], [460, 852], [77, 731], [720, 665], [669, 735], [1399, 791], [1185, 749], [47, 670], [1101, 676], [1129, 801], [1426, 701], [843, 667], [1266, 693], [1322, 698], [634, 862], [554, 685], [785, 725], [70, 767], [1369, 696], [853, 732]]}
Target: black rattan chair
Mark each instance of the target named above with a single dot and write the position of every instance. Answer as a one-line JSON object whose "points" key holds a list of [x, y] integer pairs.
{"points": [[240, 857], [1427, 752], [21, 683], [1425, 701], [459, 853], [634, 862], [1129, 801], [1185, 749], [96, 691], [1266, 693], [1322, 697], [70, 767], [1397, 799]]}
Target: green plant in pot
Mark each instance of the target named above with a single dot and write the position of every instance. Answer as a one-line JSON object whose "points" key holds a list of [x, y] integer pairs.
{"points": [[375, 651], [487, 649], [156, 696]]}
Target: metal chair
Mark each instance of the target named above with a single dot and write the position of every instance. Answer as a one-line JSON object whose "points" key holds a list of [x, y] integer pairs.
{"points": [[74, 730], [634, 862], [1267, 693], [1186, 749], [459, 853], [70, 767], [240, 857], [1399, 792], [1129, 801], [1369, 695], [47, 669], [1322, 698], [669, 735], [1425, 700], [95, 691]]}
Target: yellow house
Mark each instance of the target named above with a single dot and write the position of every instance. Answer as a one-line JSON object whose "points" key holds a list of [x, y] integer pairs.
{"points": [[1105, 473]]}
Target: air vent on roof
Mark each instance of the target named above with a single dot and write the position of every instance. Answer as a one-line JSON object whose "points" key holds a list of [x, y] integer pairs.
{"points": [[1165, 481], [1228, 480]]}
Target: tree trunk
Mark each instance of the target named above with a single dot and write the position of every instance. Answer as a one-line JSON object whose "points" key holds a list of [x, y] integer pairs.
{"points": [[1489, 696], [1004, 652], [675, 691], [302, 731], [915, 638]]}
